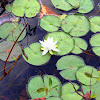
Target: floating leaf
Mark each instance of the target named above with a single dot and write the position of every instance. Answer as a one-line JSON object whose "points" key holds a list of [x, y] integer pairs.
{"points": [[11, 31], [80, 45], [53, 98], [61, 4], [64, 42], [95, 24], [69, 64], [84, 75], [50, 23], [50, 82], [97, 92], [28, 7], [35, 56], [98, 79], [8, 7], [32, 86], [76, 25], [86, 6], [5, 47], [95, 42]]}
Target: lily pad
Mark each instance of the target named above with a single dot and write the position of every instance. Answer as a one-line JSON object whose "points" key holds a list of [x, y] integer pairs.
{"points": [[39, 90], [76, 25], [11, 31], [95, 42], [53, 98], [5, 47], [28, 7], [86, 6], [34, 54], [69, 64], [69, 92], [61, 4], [8, 7], [80, 45], [95, 24], [97, 92], [50, 23], [64, 41], [87, 73]]}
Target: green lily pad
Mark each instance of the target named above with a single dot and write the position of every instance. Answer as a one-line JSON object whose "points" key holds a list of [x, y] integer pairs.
{"points": [[80, 45], [97, 92], [5, 47], [84, 75], [76, 25], [69, 64], [95, 24], [95, 42], [74, 3], [86, 6], [50, 23], [28, 7], [35, 56], [69, 92], [39, 90], [11, 31], [8, 7], [98, 79], [53, 98], [61, 4], [64, 41]]}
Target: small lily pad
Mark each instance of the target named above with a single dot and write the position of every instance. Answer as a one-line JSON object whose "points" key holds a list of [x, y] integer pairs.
{"points": [[95, 24], [39, 90], [95, 42], [50, 23], [76, 25], [86, 6], [11, 31], [80, 45], [5, 47], [86, 73], [69, 64], [35, 56], [61, 4], [64, 41], [53, 98], [28, 7]]}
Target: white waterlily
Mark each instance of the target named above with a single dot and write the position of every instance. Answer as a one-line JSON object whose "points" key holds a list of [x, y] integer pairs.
{"points": [[48, 45]]}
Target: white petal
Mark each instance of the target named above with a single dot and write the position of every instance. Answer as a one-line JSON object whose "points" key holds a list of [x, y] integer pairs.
{"points": [[55, 49], [41, 41], [55, 42], [44, 52]]}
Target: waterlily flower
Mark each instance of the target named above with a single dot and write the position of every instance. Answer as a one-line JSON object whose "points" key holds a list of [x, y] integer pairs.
{"points": [[49, 45]]}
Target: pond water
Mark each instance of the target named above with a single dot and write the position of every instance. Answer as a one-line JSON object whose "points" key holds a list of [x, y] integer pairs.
{"points": [[13, 86]]}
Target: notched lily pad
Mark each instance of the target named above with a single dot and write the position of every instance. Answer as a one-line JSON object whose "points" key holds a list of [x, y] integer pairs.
{"points": [[64, 42], [69, 64], [35, 56], [39, 90], [80, 45], [76, 25], [86, 6], [50, 23], [95, 24], [5, 49], [86, 73], [28, 7], [11, 31], [61, 4], [95, 42]]}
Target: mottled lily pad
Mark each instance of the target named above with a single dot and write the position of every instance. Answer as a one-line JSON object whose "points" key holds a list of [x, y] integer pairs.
{"points": [[38, 90], [11, 31], [50, 23], [86, 6], [76, 25], [35, 56], [65, 42], [28, 7], [95, 42], [86, 73], [69, 64], [95, 24], [61, 4], [5, 49], [80, 45]]}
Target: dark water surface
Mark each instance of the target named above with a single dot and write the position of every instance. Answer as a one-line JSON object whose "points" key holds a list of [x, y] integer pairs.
{"points": [[13, 86]]}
